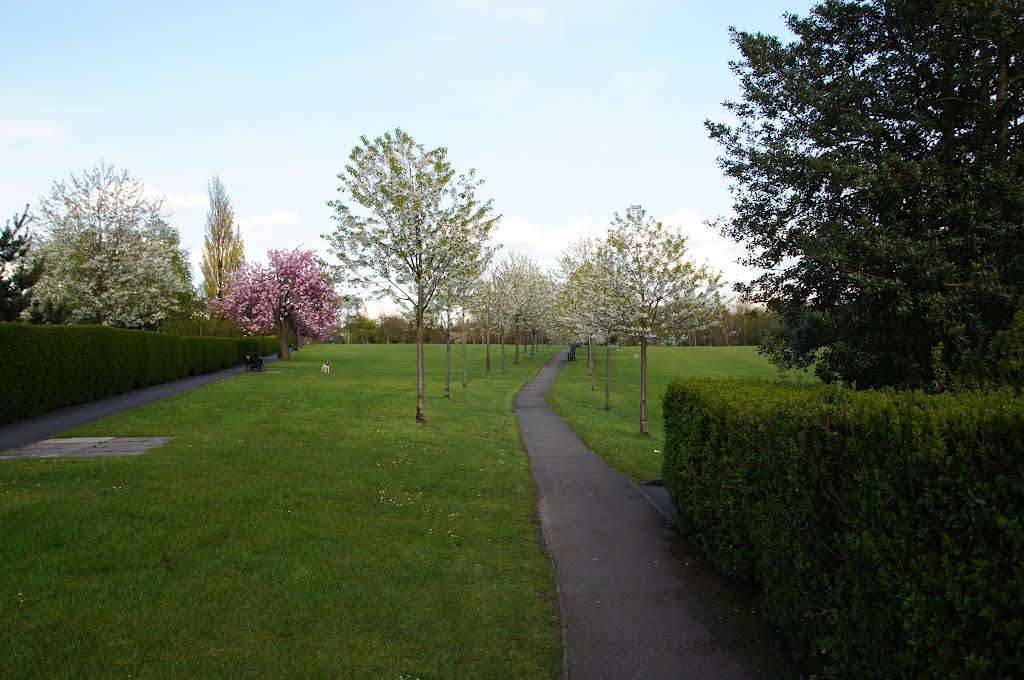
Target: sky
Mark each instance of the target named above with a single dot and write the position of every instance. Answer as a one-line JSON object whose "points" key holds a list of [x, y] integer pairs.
{"points": [[569, 110]]}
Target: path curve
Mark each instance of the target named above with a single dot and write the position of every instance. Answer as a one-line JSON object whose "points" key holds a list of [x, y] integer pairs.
{"points": [[637, 602]]}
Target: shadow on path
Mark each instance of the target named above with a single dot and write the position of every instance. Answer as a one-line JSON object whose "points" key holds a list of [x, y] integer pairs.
{"points": [[637, 601]]}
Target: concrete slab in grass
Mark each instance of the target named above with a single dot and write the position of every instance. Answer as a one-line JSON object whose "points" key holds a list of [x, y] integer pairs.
{"points": [[86, 447]]}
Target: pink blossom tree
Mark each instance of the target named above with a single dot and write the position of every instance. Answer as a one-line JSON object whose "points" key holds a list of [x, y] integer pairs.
{"points": [[293, 295]]}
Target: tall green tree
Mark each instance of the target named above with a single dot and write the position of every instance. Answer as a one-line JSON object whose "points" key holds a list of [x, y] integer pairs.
{"points": [[415, 224], [17, 275], [223, 248], [878, 170]]}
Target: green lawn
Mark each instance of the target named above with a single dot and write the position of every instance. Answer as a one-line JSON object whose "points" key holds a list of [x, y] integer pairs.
{"points": [[301, 525], [616, 435]]}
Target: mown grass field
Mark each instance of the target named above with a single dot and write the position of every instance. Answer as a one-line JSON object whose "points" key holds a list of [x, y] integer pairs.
{"points": [[301, 525], [615, 435]]}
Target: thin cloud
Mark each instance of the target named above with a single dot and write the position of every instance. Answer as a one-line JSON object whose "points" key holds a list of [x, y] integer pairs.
{"points": [[541, 242], [177, 201], [19, 130], [705, 244]]}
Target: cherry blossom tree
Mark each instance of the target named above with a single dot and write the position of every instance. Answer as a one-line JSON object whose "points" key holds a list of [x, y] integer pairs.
{"points": [[294, 295], [411, 224]]}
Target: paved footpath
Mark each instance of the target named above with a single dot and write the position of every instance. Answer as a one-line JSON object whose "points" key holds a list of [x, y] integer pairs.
{"points": [[21, 432], [637, 602]]}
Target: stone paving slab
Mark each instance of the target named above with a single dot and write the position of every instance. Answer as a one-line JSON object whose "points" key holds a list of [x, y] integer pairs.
{"points": [[86, 447], [76, 440]]}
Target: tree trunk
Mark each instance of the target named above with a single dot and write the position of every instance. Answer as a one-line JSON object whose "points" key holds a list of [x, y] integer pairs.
{"points": [[487, 350], [503, 348], [282, 346], [447, 361], [421, 401], [464, 383], [643, 386], [516, 336], [608, 377], [592, 364]]}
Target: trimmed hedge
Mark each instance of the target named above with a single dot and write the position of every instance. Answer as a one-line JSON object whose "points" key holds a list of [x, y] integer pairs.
{"points": [[49, 366], [886, 529]]}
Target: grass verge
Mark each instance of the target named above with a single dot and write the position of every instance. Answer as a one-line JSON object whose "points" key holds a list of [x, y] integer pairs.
{"points": [[301, 525], [615, 435]]}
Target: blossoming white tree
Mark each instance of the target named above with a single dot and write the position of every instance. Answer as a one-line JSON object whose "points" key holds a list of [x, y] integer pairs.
{"points": [[653, 281], [453, 295], [111, 257], [415, 223]]}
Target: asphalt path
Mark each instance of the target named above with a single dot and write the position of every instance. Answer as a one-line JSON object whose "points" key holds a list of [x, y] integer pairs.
{"points": [[637, 601], [21, 432]]}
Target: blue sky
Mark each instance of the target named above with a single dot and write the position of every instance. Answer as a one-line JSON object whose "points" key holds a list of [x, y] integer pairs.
{"points": [[570, 110]]}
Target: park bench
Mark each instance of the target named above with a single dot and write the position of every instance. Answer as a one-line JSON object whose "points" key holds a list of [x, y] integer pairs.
{"points": [[254, 362]]}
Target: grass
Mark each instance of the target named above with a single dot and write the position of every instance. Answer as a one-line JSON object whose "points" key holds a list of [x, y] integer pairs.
{"points": [[301, 525], [615, 435]]}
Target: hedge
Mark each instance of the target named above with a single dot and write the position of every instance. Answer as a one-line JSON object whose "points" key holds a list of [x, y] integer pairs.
{"points": [[884, 528], [49, 366]]}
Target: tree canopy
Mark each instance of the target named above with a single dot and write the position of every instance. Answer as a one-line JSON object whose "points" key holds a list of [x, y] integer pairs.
{"points": [[294, 295], [17, 276], [406, 224], [878, 177], [111, 256]]}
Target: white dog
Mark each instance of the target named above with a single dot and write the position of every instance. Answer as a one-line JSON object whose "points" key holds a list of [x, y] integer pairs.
{"points": [[326, 368]]}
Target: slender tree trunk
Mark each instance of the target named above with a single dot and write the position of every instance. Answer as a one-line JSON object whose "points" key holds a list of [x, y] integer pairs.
{"points": [[608, 377], [502, 348], [421, 401], [447, 361], [592, 363], [464, 383], [487, 350], [643, 386], [516, 334]]}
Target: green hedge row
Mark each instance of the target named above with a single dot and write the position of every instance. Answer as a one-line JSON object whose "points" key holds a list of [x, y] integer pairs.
{"points": [[48, 366], [886, 529]]}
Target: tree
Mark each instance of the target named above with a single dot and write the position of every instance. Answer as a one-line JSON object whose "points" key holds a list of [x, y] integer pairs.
{"points": [[521, 286], [590, 302], [574, 302], [223, 249], [392, 327], [293, 296], [111, 256], [349, 307], [423, 225], [485, 305], [17, 276], [453, 294], [362, 330], [878, 170], [653, 280]]}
